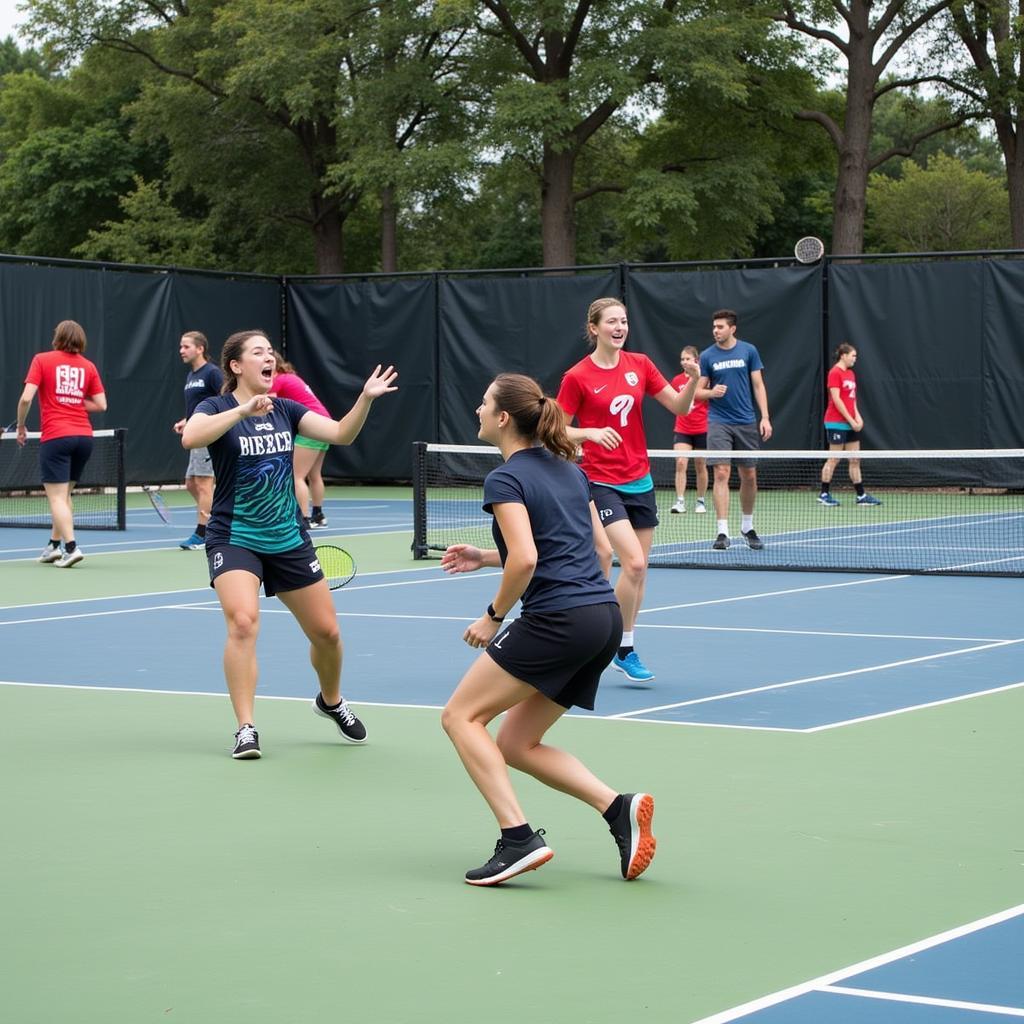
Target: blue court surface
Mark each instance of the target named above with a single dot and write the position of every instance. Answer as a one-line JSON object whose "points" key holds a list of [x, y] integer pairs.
{"points": [[969, 975]]}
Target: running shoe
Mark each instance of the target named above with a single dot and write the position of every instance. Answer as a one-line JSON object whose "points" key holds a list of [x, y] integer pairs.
{"points": [[631, 831], [700, 507], [349, 726], [193, 543], [318, 522], [721, 542], [247, 744], [511, 859], [679, 507], [867, 499], [633, 667], [827, 500], [69, 559], [49, 554], [753, 541]]}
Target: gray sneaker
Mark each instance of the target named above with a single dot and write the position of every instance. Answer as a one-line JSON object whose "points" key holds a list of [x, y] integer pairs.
{"points": [[49, 554], [511, 859], [68, 559]]}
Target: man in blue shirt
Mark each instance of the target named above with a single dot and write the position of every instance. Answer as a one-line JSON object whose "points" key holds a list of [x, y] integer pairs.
{"points": [[731, 381], [204, 381]]}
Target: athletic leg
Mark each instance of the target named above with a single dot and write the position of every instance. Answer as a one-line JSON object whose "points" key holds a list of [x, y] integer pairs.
{"points": [[314, 610], [632, 548], [239, 594], [61, 513], [302, 461]]}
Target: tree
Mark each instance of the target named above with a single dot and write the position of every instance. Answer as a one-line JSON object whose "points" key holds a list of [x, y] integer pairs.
{"points": [[991, 32], [875, 35], [941, 208]]}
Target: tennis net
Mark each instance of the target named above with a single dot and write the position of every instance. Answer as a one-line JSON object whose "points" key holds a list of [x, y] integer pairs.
{"points": [[99, 497], [945, 512]]}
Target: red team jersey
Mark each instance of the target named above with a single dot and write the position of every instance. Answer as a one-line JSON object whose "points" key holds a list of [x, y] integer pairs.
{"points": [[600, 397], [846, 382], [64, 381], [696, 420]]}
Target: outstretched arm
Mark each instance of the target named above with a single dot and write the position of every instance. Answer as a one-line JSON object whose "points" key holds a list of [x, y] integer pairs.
{"points": [[346, 430]]}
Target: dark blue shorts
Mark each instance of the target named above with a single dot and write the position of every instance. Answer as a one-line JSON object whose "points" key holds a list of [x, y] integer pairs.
{"points": [[695, 441], [841, 436], [281, 571], [561, 653], [63, 459], [612, 506]]}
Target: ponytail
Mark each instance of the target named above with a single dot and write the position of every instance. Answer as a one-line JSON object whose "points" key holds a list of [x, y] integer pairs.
{"points": [[537, 417]]}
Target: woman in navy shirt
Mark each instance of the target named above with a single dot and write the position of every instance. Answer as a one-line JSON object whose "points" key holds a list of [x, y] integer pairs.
{"points": [[256, 535], [552, 656]]}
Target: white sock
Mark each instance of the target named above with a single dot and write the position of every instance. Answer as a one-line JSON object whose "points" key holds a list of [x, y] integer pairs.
{"points": [[748, 524], [723, 526], [627, 639]]}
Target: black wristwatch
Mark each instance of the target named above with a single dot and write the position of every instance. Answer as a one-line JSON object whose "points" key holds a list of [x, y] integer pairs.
{"points": [[493, 615]]}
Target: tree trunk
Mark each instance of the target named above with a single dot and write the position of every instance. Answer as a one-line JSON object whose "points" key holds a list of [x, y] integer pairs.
{"points": [[850, 202], [1013, 158], [388, 231], [327, 241], [558, 222]]}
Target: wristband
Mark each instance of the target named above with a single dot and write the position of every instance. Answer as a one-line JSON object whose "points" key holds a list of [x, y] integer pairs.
{"points": [[493, 615]]}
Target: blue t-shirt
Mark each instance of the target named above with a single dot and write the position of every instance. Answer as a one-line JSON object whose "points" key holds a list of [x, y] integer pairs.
{"points": [[557, 497], [254, 502], [205, 382], [731, 367]]}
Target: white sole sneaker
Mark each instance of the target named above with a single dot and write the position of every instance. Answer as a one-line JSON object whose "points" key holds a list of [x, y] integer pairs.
{"points": [[66, 561]]}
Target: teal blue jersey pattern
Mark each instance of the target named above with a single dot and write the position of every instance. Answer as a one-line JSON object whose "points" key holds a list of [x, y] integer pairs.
{"points": [[254, 502]]}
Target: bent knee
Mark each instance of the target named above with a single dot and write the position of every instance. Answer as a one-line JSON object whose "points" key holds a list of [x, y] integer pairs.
{"points": [[243, 626]]}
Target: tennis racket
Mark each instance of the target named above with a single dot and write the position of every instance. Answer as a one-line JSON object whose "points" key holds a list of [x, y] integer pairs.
{"points": [[337, 564], [159, 505], [809, 249]]}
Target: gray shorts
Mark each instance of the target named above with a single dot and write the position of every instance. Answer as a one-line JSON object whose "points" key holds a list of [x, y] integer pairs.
{"points": [[199, 463], [737, 437]]}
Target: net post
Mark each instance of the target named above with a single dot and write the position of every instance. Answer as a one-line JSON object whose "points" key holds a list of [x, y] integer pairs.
{"points": [[122, 491], [419, 500]]}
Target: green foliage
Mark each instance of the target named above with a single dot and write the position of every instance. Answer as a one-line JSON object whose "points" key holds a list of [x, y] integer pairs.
{"points": [[940, 208]]}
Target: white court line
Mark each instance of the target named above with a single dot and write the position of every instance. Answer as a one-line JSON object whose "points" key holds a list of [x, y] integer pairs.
{"points": [[817, 679], [771, 593], [826, 632], [818, 984], [899, 997]]}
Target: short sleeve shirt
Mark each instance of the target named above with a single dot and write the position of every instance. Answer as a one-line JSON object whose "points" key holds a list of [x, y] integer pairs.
{"points": [[731, 367], [64, 381], [557, 498], [290, 385], [696, 420], [846, 382], [254, 502], [612, 397], [205, 382]]}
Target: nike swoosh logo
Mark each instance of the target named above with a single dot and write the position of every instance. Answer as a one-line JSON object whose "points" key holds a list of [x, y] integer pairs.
{"points": [[598, 391]]}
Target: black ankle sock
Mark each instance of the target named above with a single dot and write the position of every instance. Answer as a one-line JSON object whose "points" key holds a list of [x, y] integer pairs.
{"points": [[54, 544], [860, 490], [200, 530], [614, 810], [825, 488], [519, 834], [69, 547], [318, 511], [623, 651], [326, 706]]}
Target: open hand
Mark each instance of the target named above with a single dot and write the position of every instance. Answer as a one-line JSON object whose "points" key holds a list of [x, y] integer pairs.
{"points": [[461, 558], [380, 382]]}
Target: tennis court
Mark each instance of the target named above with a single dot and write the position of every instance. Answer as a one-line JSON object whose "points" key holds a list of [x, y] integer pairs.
{"points": [[835, 758]]}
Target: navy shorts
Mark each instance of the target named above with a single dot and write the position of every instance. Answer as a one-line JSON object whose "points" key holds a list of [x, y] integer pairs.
{"points": [[62, 460], [739, 437], [281, 571], [695, 441], [841, 436], [561, 653], [613, 506]]}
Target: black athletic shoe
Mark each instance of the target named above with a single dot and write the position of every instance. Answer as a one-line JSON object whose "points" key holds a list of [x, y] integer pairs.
{"points": [[247, 744], [753, 541], [511, 859], [349, 726], [721, 542], [632, 833]]}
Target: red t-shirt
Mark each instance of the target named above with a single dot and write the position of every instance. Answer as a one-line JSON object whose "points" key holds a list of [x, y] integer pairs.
{"points": [[846, 382], [600, 397], [696, 420], [64, 380]]}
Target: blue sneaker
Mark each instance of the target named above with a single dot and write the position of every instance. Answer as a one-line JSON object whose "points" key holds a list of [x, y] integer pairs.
{"points": [[633, 668], [867, 499], [194, 543], [828, 500]]}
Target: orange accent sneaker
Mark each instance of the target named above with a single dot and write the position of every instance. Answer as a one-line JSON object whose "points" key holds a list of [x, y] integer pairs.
{"points": [[632, 833]]}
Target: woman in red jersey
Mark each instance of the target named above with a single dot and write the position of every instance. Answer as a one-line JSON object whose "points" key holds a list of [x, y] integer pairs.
{"points": [[690, 432], [69, 388], [604, 391]]}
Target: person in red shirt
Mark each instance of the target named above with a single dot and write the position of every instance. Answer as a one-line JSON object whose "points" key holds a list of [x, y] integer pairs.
{"points": [[843, 424], [604, 391], [69, 388], [689, 433]]}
